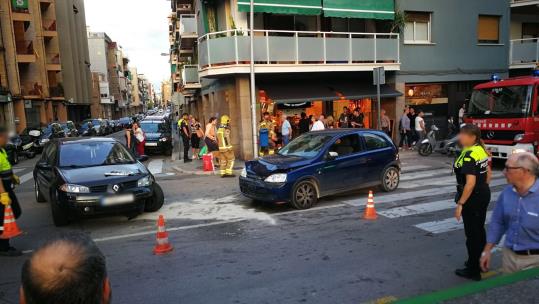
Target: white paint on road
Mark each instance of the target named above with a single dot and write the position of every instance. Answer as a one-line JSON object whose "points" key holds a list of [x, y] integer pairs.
{"points": [[27, 177], [412, 168], [423, 208], [406, 176], [156, 166], [446, 225]]}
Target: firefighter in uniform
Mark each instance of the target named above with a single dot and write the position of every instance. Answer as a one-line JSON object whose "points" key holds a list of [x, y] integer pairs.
{"points": [[473, 175], [7, 196], [226, 152], [266, 131]]}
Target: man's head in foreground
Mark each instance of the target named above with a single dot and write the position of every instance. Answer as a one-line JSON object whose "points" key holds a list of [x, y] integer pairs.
{"points": [[521, 168], [67, 269]]}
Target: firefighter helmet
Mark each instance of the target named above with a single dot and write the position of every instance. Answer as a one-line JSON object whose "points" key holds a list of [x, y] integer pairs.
{"points": [[225, 120]]}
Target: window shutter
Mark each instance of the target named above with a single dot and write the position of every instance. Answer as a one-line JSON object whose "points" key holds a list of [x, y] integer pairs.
{"points": [[418, 17], [488, 28]]}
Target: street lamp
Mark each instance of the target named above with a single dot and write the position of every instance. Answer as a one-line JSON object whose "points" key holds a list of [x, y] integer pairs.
{"points": [[252, 66]]}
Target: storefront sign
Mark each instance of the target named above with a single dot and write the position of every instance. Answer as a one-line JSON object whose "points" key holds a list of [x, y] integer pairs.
{"points": [[294, 105], [426, 94], [19, 4]]}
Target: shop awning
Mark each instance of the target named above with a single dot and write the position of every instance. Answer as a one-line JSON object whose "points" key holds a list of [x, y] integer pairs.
{"points": [[300, 92], [297, 7], [367, 9]]}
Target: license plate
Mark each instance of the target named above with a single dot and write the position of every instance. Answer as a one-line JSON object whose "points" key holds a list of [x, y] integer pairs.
{"points": [[148, 144], [493, 149], [118, 200]]}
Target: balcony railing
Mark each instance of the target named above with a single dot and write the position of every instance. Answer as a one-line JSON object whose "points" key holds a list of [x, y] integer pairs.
{"points": [[190, 75], [300, 48], [188, 26], [57, 91], [53, 58], [25, 47], [524, 52], [515, 3], [49, 25]]}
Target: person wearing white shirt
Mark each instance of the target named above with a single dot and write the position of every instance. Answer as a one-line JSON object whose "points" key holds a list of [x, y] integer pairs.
{"points": [[420, 127], [286, 130], [319, 124]]}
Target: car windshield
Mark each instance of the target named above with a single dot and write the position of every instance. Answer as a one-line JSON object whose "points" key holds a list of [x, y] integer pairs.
{"points": [[152, 127], [508, 101], [91, 154], [306, 146]]}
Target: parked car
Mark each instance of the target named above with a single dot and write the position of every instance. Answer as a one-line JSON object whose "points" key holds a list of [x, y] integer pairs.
{"points": [[158, 135], [323, 163], [82, 177], [93, 127], [70, 129], [109, 127], [50, 132]]}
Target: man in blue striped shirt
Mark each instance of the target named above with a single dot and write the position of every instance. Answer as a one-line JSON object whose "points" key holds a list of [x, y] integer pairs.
{"points": [[517, 216]]}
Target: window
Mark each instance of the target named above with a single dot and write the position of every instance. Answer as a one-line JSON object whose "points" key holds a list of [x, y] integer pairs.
{"points": [[346, 145], [418, 27], [488, 29], [373, 142]]}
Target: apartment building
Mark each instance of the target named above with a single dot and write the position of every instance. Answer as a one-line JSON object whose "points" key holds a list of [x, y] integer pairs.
{"points": [[7, 113], [136, 92], [125, 81], [32, 62], [524, 35], [166, 94], [74, 57], [103, 59], [446, 50]]}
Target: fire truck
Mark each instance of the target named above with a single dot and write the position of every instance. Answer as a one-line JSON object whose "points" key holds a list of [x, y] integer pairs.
{"points": [[507, 111]]}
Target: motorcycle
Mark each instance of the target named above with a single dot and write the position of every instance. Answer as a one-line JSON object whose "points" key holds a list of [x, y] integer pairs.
{"points": [[432, 144], [18, 147]]}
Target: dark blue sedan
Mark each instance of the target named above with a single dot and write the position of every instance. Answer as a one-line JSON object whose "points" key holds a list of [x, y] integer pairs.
{"points": [[323, 163]]}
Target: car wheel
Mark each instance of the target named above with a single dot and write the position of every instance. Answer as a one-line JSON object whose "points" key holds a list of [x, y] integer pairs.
{"points": [[390, 179], [59, 216], [39, 196], [304, 195], [156, 202], [425, 149]]}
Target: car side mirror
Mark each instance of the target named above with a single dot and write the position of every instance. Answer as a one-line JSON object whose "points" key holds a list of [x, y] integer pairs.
{"points": [[143, 158], [333, 155], [43, 166]]}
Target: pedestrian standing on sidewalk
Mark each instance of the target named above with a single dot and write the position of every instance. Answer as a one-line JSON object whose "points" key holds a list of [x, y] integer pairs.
{"points": [[420, 128], [473, 196], [386, 123], [405, 132], [140, 138], [211, 138], [286, 130], [517, 216], [196, 135], [185, 134], [130, 140], [413, 135], [319, 124], [304, 123]]}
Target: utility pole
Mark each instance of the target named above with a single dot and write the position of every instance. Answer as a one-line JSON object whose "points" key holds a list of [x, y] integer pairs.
{"points": [[252, 83]]}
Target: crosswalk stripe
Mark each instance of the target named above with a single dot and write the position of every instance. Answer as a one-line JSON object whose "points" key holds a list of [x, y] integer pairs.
{"points": [[390, 198], [423, 174], [27, 177], [17, 170], [446, 225], [438, 181], [156, 166], [406, 168], [424, 208]]}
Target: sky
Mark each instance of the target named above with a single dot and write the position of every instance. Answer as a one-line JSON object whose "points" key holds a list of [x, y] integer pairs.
{"points": [[140, 27]]}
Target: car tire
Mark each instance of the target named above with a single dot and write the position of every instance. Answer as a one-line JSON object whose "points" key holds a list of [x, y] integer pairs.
{"points": [[425, 149], [39, 196], [59, 216], [390, 179], [304, 195], [156, 202]]}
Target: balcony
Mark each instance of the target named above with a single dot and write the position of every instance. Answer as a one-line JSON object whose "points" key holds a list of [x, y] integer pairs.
{"points": [[56, 92], [31, 90], [188, 26], [524, 53], [25, 51], [227, 52], [519, 3], [53, 62], [49, 28], [190, 78]]}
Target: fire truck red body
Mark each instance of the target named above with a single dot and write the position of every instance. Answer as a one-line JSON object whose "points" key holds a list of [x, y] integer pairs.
{"points": [[507, 111]]}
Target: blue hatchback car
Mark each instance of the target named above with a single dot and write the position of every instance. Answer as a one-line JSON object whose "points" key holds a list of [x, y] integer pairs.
{"points": [[323, 163]]}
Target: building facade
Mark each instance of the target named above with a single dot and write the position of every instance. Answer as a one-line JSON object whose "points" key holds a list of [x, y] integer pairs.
{"points": [[524, 35], [103, 59]]}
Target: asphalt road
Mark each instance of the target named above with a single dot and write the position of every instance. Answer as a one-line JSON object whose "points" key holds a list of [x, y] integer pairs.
{"points": [[228, 250]]}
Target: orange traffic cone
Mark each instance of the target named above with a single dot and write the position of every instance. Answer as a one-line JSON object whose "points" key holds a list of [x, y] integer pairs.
{"points": [[370, 212], [162, 246], [10, 227]]}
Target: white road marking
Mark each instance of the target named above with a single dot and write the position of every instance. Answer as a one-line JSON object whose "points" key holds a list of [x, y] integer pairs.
{"points": [[423, 208], [438, 181], [17, 170], [390, 198], [406, 176], [156, 166], [406, 168], [446, 225], [27, 177]]}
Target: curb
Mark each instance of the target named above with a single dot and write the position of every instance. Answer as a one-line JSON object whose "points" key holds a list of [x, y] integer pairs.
{"points": [[237, 171], [472, 288]]}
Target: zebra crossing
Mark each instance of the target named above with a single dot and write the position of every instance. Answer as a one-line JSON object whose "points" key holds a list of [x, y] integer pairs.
{"points": [[425, 191]]}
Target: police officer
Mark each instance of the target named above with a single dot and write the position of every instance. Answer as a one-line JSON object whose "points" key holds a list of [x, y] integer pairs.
{"points": [[266, 130], [473, 196], [226, 151], [7, 196]]}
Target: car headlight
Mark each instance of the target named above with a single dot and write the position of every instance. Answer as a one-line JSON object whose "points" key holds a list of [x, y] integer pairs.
{"points": [[144, 182], [163, 139], [276, 178], [243, 172], [70, 188], [519, 137]]}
